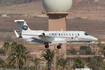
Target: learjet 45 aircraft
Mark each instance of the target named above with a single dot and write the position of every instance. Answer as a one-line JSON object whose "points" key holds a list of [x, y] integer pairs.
{"points": [[52, 37]]}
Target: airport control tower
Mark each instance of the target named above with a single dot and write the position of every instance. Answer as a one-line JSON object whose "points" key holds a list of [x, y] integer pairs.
{"points": [[57, 10]]}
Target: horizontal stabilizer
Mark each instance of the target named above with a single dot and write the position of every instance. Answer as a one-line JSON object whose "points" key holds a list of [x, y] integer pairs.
{"points": [[17, 35], [19, 20]]}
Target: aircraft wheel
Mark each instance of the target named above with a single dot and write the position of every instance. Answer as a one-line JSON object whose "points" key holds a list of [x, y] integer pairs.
{"points": [[46, 46], [59, 46]]}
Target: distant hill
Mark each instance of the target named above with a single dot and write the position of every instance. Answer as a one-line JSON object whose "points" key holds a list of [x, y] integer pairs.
{"points": [[81, 9], [12, 2]]}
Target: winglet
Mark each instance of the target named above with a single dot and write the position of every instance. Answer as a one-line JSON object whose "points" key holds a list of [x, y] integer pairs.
{"points": [[17, 35]]}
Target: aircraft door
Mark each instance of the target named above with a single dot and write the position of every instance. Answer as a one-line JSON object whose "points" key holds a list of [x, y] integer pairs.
{"points": [[58, 34], [75, 37]]}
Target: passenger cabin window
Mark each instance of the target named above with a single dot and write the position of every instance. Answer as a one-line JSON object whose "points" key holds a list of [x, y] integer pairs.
{"points": [[69, 34], [52, 33], [66, 34], [72, 34], [59, 34], [78, 34], [86, 33]]}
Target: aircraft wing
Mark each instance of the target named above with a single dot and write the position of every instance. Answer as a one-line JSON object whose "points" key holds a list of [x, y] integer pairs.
{"points": [[49, 39], [34, 40], [58, 42], [44, 38]]}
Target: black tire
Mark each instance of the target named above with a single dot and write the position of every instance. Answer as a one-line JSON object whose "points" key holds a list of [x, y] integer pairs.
{"points": [[59, 47], [46, 46]]}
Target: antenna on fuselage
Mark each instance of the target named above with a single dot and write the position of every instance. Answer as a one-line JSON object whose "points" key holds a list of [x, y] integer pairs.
{"points": [[61, 29]]}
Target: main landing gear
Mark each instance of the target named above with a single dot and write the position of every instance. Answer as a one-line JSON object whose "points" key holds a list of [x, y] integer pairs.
{"points": [[47, 46], [58, 46]]}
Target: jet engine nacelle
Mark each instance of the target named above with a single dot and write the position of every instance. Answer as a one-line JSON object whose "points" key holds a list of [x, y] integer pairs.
{"points": [[43, 34]]}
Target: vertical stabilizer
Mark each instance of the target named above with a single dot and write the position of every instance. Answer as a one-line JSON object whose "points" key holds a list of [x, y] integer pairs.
{"points": [[23, 27]]}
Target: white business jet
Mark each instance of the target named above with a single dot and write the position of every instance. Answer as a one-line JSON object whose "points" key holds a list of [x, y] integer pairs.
{"points": [[53, 37]]}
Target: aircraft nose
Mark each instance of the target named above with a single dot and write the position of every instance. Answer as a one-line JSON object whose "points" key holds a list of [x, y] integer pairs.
{"points": [[94, 39]]}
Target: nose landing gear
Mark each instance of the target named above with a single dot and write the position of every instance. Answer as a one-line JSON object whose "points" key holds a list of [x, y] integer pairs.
{"points": [[89, 45]]}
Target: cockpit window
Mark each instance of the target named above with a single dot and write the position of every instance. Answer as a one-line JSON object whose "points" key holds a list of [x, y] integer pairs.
{"points": [[86, 33]]}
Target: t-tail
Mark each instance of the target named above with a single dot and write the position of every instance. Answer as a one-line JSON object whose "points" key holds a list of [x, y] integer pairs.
{"points": [[23, 27]]}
